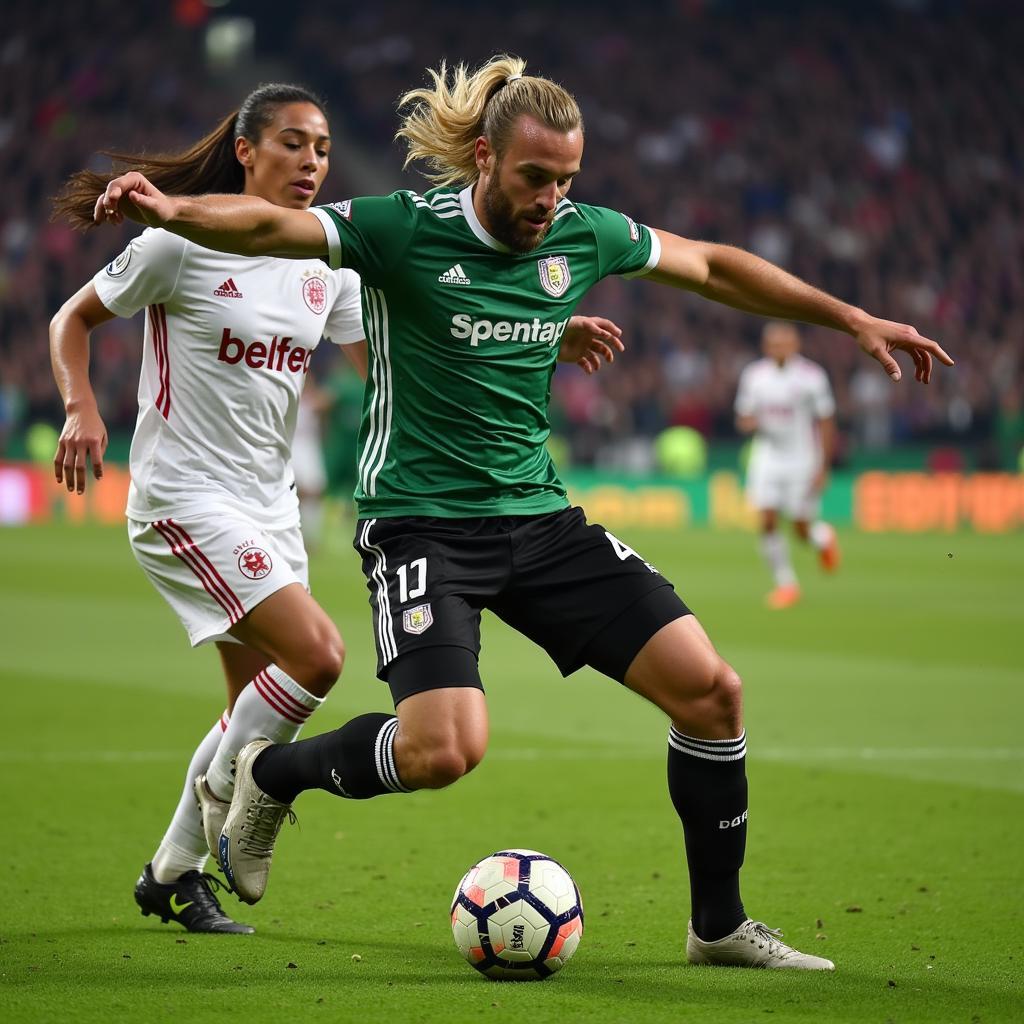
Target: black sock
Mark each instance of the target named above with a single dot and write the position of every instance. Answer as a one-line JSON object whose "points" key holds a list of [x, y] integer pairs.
{"points": [[356, 761], [707, 782]]}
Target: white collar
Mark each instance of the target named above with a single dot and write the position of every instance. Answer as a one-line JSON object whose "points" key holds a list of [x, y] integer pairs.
{"points": [[466, 202]]}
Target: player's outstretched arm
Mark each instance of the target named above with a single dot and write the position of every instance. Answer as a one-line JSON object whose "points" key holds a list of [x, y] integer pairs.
{"points": [[84, 437], [246, 225], [745, 281], [588, 340]]}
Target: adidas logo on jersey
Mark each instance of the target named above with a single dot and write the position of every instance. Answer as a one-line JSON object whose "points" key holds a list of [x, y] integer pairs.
{"points": [[228, 290], [454, 275]]}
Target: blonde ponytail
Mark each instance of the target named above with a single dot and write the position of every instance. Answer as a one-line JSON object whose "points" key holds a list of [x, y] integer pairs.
{"points": [[445, 121]]}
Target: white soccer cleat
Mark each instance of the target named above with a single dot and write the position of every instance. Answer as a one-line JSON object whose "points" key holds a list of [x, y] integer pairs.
{"points": [[254, 819], [214, 811], [753, 944]]}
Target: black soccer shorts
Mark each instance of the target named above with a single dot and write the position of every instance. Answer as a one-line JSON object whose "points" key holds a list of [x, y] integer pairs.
{"points": [[570, 586]]}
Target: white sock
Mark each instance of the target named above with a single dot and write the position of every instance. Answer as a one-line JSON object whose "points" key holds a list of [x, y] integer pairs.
{"points": [[183, 847], [776, 554], [274, 706], [821, 534]]}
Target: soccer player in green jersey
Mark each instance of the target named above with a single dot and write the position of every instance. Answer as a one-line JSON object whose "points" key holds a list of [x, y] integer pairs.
{"points": [[467, 290]]}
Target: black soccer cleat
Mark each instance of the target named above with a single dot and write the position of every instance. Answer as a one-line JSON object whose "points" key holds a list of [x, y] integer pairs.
{"points": [[189, 900]]}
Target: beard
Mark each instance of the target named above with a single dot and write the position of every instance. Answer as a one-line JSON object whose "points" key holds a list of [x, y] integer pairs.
{"points": [[504, 223]]}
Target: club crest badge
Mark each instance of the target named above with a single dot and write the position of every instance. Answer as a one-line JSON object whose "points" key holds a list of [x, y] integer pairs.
{"points": [[554, 275], [417, 620], [254, 563], [120, 265], [314, 292]]}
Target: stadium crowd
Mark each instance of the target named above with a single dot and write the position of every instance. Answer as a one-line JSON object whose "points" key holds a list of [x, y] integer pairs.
{"points": [[876, 150]]}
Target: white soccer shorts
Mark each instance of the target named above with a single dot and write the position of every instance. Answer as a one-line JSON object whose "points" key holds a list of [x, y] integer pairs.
{"points": [[783, 488], [214, 569]]}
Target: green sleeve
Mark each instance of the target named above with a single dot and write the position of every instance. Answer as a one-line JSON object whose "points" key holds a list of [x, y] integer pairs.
{"points": [[623, 246], [370, 234]]}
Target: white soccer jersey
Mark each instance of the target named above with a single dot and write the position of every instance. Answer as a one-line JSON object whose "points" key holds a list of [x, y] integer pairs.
{"points": [[787, 402], [228, 343]]}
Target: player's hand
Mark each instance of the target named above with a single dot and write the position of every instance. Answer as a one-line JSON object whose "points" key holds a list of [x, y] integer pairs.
{"points": [[84, 437], [134, 196], [879, 338], [588, 340]]}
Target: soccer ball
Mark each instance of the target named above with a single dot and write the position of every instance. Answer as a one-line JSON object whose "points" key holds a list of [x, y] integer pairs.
{"points": [[517, 915]]}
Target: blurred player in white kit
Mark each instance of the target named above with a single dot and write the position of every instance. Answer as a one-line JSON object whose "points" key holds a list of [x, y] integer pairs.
{"points": [[786, 402], [308, 460]]}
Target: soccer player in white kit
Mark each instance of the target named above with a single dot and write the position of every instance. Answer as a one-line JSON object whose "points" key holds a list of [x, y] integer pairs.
{"points": [[213, 516], [785, 401]]}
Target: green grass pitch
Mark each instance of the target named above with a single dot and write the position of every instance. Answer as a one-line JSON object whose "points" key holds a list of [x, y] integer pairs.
{"points": [[884, 720]]}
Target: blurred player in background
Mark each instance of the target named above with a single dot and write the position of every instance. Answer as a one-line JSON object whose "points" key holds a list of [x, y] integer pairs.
{"points": [[213, 517], [308, 460], [785, 401], [467, 289]]}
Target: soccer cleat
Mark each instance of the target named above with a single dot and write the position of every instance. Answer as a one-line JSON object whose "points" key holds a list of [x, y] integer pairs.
{"points": [[783, 597], [214, 811], [189, 900], [753, 944], [250, 829], [828, 556]]}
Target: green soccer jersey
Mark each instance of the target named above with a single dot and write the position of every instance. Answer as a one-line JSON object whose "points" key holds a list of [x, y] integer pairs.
{"points": [[463, 336]]}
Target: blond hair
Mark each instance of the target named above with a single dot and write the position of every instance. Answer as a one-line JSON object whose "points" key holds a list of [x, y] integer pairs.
{"points": [[445, 121]]}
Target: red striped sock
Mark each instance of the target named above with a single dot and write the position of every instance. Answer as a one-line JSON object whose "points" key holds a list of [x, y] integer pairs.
{"points": [[274, 706]]}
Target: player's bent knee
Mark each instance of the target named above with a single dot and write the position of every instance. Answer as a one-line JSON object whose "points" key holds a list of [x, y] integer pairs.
{"points": [[440, 767], [712, 702], [728, 693], [318, 666], [330, 661]]}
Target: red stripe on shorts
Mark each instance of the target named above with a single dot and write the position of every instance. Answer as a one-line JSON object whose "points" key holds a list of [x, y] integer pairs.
{"points": [[195, 549], [186, 551]]}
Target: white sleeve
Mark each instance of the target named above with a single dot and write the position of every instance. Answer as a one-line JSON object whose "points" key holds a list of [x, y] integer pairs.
{"points": [[331, 232], [746, 401], [146, 272], [345, 320], [821, 397]]}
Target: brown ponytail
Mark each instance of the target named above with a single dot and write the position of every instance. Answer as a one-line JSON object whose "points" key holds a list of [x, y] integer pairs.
{"points": [[208, 166]]}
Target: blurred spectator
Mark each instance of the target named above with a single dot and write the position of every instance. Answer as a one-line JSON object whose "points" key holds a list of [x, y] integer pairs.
{"points": [[832, 139]]}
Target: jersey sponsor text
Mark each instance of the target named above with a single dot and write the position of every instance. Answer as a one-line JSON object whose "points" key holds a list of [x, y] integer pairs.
{"points": [[278, 355], [465, 326]]}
